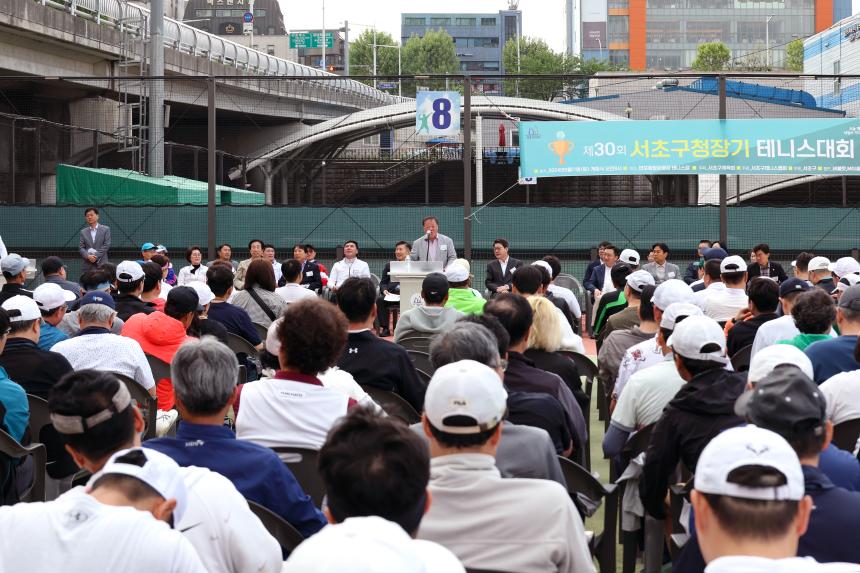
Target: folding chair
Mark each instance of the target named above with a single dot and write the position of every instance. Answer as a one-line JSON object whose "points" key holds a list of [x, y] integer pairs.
{"points": [[393, 404], [630, 539], [581, 482], [263, 331], [303, 463], [288, 536], [147, 404], [10, 449], [420, 343], [160, 368], [741, 359], [588, 370], [241, 346], [421, 361], [845, 434]]}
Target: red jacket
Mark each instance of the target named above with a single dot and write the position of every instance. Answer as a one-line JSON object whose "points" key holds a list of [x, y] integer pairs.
{"points": [[161, 336]]}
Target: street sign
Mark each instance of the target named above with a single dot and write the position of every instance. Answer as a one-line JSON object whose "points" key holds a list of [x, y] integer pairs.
{"points": [[247, 17], [247, 28], [386, 85], [311, 40], [437, 113]]}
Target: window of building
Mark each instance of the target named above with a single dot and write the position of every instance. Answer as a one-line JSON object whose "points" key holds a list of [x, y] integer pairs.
{"points": [[617, 28], [663, 32], [440, 21], [510, 27], [270, 49], [488, 21], [751, 32], [712, 31], [664, 62], [619, 58], [618, 4], [414, 21], [270, 30], [464, 21], [259, 12], [204, 13]]}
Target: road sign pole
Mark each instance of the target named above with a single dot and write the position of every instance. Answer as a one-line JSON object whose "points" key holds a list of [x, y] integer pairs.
{"points": [[467, 168], [324, 67]]}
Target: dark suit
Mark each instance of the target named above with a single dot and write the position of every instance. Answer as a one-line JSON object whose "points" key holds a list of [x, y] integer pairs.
{"points": [[595, 279], [101, 244], [311, 276], [383, 307], [776, 270], [591, 266], [495, 278]]}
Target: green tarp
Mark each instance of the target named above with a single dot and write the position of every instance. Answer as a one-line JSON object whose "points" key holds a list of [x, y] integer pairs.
{"points": [[88, 186]]}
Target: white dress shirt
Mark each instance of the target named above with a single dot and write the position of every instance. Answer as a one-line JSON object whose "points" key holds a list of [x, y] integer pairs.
{"points": [[345, 269], [293, 292]]}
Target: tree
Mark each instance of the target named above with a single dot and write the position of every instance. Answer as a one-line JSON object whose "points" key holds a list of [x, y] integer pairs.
{"points": [[361, 55], [712, 57], [432, 54], [794, 55], [535, 57]]}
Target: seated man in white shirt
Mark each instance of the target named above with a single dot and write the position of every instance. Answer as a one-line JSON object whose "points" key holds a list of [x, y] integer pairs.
{"points": [[293, 291], [514, 524], [349, 266], [94, 415], [725, 305], [561, 292], [295, 409], [750, 505], [128, 506]]}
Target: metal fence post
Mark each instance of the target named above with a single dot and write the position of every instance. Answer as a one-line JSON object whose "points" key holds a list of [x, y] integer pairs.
{"points": [[210, 166], [724, 211], [467, 168]]}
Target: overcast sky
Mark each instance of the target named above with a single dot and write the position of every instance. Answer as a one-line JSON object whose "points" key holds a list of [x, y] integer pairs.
{"points": [[541, 18]]}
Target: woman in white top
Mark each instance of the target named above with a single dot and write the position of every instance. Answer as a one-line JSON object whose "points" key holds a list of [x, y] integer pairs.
{"points": [[258, 298], [196, 271], [349, 266]]}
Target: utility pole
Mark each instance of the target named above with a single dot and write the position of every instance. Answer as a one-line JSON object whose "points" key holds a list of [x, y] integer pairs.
{"points": [[374, 56], [156, 89], [346, 47], [210, 169], [324, 67], [724, 211], [467, 167]]}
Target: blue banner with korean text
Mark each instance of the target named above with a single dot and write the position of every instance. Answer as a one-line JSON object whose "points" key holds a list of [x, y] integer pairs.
{"points": [[689, 147]]}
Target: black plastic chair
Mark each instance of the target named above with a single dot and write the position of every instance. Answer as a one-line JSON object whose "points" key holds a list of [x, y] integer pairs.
{"points": [[636, 445], [241, 346], [146, 403], [588, 371], [12, 450], [263, 331], [581, 482], [393, 404], [303, 463], [845, 434], [59, 462], [160, 368], [288, 536], [741, 359], [421, 361], [420, 343]]}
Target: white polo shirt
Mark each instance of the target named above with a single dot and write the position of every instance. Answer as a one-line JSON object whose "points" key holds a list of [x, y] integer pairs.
{"points": [[772, 331], [700, 298], [107, 352], [842, 393], [77, 534], [296, 412], [638, 357], [646, 395], [725, 305], [292, 292]]}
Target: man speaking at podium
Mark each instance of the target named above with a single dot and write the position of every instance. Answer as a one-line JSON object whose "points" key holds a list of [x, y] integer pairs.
{"points": [[433, 246]]}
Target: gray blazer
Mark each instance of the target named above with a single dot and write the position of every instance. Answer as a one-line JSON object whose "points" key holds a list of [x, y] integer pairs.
{"points": [[672, 272], [445, 251], [101, 244]]}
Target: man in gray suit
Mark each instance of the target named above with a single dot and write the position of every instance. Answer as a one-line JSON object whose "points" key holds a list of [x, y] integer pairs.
{"points": [[95, 242], [433, 246], [660, 269]]}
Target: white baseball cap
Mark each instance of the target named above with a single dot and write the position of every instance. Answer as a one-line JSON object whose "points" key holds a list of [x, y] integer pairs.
{"points": [[544, 265], [678, 310], [456, 273], [768, 358], [129, 271], [153, 468], [630, 257], [359, 545], [13, 263], [749, 446], [733, 264], [819, 264], [465, 391], [204, 293], [273, 343], [672, 290], [845, 266], [637, 280], [49, 296], [699, 338], [847, 281], [21, 308]]}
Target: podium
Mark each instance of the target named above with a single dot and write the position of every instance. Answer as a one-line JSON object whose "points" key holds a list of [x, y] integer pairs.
{"points": [[410, 275]]}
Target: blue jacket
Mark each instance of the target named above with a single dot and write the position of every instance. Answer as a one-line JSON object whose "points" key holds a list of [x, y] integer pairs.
{"points": [[14, 399], [595, 279], [50, 335], [256, 471]]}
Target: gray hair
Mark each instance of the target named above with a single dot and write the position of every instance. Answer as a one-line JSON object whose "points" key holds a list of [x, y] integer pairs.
{"points": [[204, 374], [95, 314], [465, 341]]}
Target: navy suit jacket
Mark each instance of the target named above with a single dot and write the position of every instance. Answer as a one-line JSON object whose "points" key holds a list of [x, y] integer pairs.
{"points": [[595, 279]]}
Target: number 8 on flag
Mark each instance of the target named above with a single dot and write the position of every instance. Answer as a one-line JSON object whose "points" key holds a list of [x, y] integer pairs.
{"points": [[437, 113]]}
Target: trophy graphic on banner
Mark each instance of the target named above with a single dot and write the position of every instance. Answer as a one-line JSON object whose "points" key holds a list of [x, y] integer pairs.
{"points": [[560, 146]]}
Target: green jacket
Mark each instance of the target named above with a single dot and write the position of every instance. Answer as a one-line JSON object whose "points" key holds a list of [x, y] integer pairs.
{"points": [[803, 340], [465, 301]]}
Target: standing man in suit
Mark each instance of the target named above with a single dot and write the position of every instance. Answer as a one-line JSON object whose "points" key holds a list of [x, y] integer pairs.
{"points": [[433, 246], [762, 267], [659, 268], [500, 273], [94, 243]]}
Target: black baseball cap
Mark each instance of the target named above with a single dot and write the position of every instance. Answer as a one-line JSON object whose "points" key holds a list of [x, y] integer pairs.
{"points": [[794, 284], [183, 299], [785, 401], [435, 287], [51, 265]]}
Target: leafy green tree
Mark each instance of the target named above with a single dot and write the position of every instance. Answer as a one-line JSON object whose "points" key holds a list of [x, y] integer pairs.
{"points": [[361, 55], [432, 54], [535, 57], [712, 57], [794, 56]]}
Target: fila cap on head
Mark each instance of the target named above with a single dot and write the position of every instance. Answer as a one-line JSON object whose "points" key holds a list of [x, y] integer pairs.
{"points": [[465, 397]]}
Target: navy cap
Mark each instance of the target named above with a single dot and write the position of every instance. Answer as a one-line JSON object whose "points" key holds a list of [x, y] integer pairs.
{"points": [[794, 284], [714, 253], [98, 297]]}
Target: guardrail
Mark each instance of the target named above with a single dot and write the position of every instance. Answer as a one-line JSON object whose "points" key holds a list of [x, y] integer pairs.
{"points": [[133, 19]]}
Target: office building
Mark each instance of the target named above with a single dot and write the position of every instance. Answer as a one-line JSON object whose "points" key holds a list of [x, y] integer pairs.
{"points": [[479, 39], [835, 51], [664, 34], [224, 17]]}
